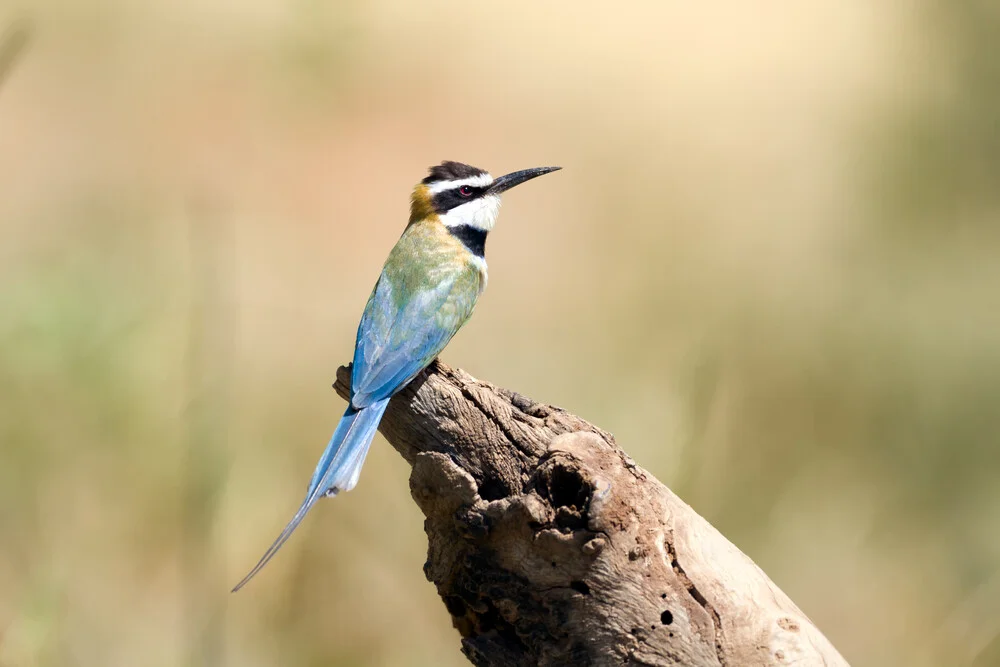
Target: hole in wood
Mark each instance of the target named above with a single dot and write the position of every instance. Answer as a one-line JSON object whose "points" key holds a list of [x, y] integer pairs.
{"points": [[493, 488], [567, 488]]}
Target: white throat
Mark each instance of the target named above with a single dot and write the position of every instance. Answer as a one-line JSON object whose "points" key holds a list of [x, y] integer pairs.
{"points": [[479, 213]]}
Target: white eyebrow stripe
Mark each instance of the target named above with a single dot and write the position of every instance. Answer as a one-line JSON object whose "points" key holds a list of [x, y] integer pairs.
{"points": [[480, 181]]}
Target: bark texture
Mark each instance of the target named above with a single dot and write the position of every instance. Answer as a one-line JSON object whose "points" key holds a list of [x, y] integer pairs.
{"points": [[550, 546]]}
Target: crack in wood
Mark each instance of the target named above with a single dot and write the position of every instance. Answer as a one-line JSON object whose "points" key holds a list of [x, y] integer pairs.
{"points": [[496, 421], [696, 596]]}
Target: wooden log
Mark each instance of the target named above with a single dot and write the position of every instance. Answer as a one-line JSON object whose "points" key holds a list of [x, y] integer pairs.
{"points": [[550, 546]]}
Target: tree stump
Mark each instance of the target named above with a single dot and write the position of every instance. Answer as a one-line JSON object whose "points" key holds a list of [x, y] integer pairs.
{"points": [[550, 546]]}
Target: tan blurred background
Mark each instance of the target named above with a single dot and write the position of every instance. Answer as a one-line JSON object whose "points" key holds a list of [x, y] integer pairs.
{"points": [[771, 266]]}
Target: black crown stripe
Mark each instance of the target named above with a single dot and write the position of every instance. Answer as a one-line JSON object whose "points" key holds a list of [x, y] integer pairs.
{"points": [[452, 171]]}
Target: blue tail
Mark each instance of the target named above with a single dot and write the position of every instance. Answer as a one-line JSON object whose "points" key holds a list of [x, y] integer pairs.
{"points": [[338, 470]]}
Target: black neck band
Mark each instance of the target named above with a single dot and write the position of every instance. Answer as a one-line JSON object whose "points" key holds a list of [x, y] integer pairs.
{"points": [[471, 237]]}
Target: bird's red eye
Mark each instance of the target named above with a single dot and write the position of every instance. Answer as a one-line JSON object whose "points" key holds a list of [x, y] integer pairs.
{"points": [[465, 191]]}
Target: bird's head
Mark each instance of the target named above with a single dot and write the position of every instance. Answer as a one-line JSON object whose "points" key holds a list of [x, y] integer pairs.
{"points": [[461, 195]]}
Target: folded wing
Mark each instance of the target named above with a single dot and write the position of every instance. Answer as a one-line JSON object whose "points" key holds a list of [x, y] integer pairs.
{"points": [[402, 331]]}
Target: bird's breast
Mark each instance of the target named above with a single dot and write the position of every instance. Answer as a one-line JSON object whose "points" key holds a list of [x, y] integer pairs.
{"points": [[427, 256]]}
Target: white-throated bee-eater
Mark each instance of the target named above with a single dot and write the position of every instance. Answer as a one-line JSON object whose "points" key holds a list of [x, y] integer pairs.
{"points": [[428, 289]]}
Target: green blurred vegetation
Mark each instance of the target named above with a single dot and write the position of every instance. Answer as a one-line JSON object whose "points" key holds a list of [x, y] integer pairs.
{"points": [[770, 266]]}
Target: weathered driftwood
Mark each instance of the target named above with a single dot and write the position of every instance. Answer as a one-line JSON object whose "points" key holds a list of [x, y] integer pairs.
{"points": [[550, 546]]}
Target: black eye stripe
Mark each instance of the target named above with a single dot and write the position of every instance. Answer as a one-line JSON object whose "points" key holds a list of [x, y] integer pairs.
{"points": [[449, 199]]}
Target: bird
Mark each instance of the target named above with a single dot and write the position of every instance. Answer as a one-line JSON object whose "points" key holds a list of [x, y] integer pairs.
{"points": [[428, 289]]}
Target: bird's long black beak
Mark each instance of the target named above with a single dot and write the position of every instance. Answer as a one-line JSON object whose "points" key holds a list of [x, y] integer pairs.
{"points": [[507, 181]]}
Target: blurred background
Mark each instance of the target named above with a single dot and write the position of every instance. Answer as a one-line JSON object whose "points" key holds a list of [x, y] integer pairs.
{"points": [[771, 266]]}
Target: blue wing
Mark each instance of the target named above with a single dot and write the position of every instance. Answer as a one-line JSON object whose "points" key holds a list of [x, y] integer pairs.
{"points": [[399, 337]]}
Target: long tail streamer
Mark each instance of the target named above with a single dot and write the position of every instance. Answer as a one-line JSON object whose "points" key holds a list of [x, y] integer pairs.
{"points": [[338, 470]]}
